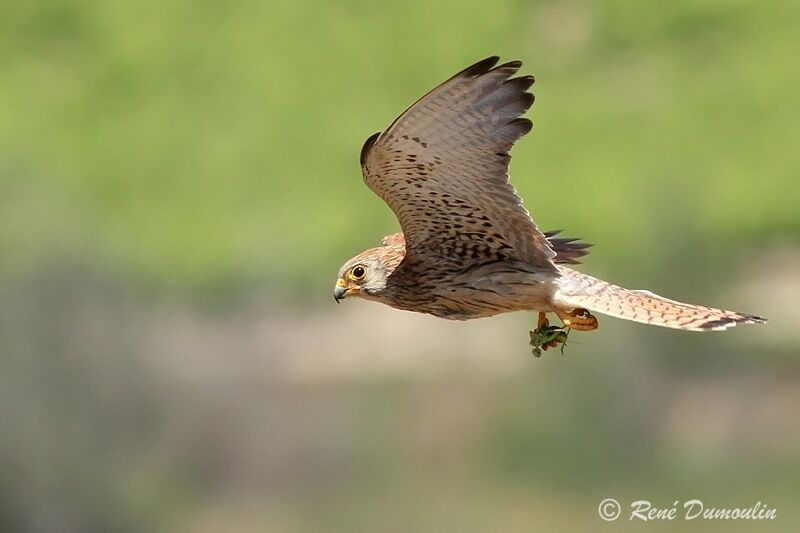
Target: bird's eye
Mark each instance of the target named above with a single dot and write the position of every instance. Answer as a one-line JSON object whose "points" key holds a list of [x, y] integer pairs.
{"points": [[358, 272]]}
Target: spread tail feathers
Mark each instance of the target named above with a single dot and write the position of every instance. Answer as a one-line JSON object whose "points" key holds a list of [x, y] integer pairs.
{"points": [[578, 290], [568, 251]]}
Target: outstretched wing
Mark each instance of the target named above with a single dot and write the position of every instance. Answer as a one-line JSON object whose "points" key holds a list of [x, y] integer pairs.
{"points": [[442, 166]]}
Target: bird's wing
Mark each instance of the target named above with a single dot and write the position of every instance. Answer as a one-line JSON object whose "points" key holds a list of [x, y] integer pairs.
{"points": [[442, 166]]}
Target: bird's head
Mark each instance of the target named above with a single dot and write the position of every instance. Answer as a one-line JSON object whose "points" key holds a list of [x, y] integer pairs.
{"points": [[367, 274]]}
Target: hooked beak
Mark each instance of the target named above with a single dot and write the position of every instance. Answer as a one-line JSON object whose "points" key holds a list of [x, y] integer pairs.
{"points": [[340, 291]]}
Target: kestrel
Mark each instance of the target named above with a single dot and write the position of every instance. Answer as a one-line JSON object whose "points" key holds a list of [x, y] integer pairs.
{"points": [[468, 248]]}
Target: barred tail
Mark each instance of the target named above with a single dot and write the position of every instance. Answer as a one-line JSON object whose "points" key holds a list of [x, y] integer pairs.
{"points": [[578, 290]]}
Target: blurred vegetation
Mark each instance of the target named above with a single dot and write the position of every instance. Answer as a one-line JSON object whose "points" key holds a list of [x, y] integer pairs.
{"points": [[158, 156], [199, 146]]}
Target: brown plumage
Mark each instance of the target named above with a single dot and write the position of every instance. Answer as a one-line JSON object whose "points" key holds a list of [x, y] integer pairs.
{"points": [[468, 248]]}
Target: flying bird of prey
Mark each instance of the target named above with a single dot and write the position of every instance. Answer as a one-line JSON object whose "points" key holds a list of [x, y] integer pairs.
{"points": [[468, 248]]}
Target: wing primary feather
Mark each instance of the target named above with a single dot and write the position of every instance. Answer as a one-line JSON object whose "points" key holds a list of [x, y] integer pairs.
{"points": [[367, 145], [525, 125], [481, 67], [511, 65]]}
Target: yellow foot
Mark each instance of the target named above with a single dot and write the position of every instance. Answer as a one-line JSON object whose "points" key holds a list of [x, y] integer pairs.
{"points": [[579, 319]]}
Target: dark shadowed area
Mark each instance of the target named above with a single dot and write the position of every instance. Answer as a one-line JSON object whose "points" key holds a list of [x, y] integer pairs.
{"points": [[179, 185]]}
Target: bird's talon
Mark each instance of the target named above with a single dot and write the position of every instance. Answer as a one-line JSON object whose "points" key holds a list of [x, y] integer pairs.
{"points": [[580, 319]]}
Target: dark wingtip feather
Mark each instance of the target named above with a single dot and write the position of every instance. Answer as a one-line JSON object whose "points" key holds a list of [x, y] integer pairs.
{"points": [[481, 67], [525, 125], [511, 65], [527, 100], [524, 82], [485, 65], [367, 145]]}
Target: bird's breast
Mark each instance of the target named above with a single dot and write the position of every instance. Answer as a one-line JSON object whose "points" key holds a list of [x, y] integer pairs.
{"points": [[477, 293]]}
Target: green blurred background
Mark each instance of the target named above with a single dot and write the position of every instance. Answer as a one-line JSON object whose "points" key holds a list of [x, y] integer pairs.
{"points": [[179, 185]]}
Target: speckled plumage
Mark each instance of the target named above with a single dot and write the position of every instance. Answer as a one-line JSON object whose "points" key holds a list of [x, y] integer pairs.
{"points": [[468, 248]]}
